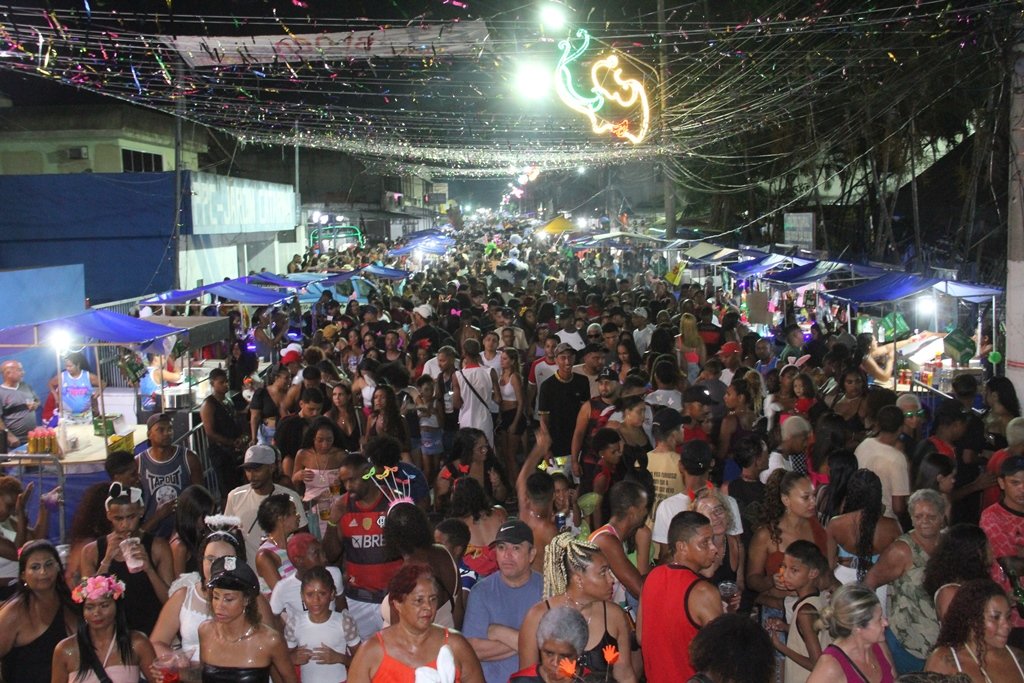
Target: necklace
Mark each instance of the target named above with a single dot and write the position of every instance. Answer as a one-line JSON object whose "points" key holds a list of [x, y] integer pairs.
{"points": [[579, 606], [248, 632]]}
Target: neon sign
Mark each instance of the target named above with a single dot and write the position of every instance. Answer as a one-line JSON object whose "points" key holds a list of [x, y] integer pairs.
{"points": [[608, 85]]}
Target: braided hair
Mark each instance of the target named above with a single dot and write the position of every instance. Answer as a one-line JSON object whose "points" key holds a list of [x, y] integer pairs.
{"points": [[563, 557]]}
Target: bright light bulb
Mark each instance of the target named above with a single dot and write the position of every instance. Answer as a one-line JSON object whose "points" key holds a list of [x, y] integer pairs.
{"points": [[552, 17], [533, 80], [926, 305], [581, 169], [61, 340], [523, 179]]}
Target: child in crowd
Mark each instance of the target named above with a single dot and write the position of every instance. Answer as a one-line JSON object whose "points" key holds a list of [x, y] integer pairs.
{"points": [[278, 519], [321, 640], [431, 419], [304, 554], [802, 568], [453, 534], [567, 512]]}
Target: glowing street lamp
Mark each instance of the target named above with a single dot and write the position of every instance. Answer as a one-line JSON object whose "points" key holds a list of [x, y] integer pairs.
{"points": [[552, 17]]}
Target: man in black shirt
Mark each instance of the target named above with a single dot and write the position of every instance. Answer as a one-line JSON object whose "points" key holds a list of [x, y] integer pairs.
{"points": [[288, 437], [560, 398]]}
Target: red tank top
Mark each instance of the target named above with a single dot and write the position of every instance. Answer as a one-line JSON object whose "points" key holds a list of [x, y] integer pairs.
{"points": [[667, 629], [393, 671]]}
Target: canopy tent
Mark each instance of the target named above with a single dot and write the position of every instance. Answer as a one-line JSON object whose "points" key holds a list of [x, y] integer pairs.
{"points": [[273, 280], [386, 273], [701, 249], [557, 226], [334, 278], [232, 290], [892, 287], [816, 271], [434, 245], [617, 235], [762, 264], [94, 326], [720, 257]]}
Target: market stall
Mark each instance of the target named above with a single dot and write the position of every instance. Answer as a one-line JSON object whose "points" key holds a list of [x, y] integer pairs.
{"points": [[932, 359], [75, 454]]}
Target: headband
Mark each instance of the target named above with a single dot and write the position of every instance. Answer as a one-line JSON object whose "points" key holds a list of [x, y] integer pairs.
{"points": [[98, 587], [117, 490]]}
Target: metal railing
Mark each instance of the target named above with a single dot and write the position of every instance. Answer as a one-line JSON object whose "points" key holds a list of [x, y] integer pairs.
{"points": [[195, 440]]}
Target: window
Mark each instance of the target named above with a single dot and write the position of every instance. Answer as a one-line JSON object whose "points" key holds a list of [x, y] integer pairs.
{"points": [[141, 162]]}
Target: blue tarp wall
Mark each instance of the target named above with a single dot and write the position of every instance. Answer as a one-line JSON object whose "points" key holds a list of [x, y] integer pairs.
{"points": [[118, 225]]}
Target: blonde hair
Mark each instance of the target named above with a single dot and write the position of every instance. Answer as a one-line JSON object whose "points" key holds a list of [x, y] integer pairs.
{"points": [[689, 333], [756, 384], [718, 497], [852, 607], [564, 556]]}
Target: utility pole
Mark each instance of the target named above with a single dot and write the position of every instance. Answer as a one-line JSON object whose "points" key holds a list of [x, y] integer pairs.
{"points": [[666, 180], [179, 193], [1015, 222]]}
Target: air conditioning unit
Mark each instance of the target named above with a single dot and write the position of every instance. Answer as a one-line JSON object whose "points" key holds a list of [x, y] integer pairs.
{"points": [[78, 153]]}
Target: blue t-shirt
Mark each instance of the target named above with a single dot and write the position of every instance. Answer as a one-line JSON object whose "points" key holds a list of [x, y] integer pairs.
{"points": [[492, 601], [417, 480]]}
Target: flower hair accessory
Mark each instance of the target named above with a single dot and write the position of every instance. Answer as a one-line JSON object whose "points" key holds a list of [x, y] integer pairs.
{"points": [[118, 490], [98, 587], [395, 489], [222, 522]]}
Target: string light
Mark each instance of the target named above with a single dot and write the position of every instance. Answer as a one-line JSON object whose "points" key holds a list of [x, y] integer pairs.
{"points": [[592, 106]]}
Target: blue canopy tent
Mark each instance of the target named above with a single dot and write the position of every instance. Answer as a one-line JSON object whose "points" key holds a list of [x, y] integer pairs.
{"points": [[386, 273], [892, 287], [273, 280], [762, 264], [435, 246], [95, 326], [816, 271], [232, 290]]}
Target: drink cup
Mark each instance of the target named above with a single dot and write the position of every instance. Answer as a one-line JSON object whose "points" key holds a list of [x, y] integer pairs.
{"points": [[166, 667], [727, 589], [130, 549]]}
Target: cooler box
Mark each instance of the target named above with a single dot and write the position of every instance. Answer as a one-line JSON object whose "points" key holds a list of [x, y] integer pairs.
{"points": [[959, 346]]}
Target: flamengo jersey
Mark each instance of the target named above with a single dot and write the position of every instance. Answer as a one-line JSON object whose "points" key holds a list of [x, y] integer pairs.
{"points": [[367, 565]]}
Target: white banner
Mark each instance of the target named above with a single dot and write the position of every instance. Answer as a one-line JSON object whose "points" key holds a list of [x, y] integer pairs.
{"points": [[464, 37]]}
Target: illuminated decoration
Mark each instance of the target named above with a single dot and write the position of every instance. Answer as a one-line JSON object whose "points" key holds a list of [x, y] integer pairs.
{"points": [[626, 93]]}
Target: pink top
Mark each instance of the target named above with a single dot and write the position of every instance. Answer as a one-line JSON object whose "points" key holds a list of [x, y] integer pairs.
{"points": [[850, 670]]}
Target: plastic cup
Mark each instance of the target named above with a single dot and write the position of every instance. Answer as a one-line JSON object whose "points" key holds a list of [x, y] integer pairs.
{"points": [[166, 667], [130, 550], [728, 589]]}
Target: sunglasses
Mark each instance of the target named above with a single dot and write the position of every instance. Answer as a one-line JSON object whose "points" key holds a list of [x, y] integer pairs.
{"points": [[594, 336], [915, 413]]}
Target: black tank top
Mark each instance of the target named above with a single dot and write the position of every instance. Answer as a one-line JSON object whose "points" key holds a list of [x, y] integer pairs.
{"points": [[231, 674], [31, 663], [593, 659], [137, 588]]}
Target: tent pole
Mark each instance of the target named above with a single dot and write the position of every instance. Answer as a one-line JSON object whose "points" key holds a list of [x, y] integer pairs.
{"points": [[995, 328], [895, 370], [103, 406], [849, 322]]}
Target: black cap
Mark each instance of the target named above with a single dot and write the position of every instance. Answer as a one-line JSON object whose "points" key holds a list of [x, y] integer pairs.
{"points": [[668, 419], [608, 373], [698, 394], [514, 531], [156, 418], [233, 574]]}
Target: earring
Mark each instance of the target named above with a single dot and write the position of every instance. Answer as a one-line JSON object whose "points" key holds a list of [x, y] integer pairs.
{"points": [[304, 608]]}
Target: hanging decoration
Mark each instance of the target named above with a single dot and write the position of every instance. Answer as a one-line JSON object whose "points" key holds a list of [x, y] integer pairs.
{"points": [[618, 105]]}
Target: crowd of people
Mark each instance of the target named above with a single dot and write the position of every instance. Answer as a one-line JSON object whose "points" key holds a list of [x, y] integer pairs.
{"points": [[579, 472]]}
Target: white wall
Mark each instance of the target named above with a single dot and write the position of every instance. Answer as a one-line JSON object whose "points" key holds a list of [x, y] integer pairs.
{"points": [[199, 261], [229, 206]]}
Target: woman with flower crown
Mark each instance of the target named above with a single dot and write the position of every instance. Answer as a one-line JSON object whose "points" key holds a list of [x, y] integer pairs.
{"points": [[103, 650]]}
